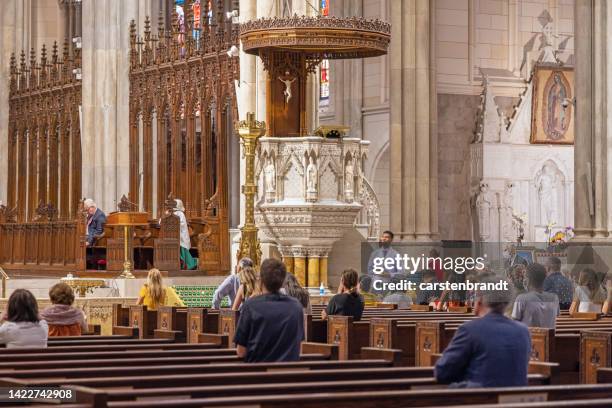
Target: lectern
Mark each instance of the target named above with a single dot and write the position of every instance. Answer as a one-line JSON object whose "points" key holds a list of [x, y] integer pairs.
{"points": [[127, 220]]}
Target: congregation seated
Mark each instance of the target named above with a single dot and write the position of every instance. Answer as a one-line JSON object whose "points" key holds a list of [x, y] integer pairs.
{"points": [[271, 325], [249, 283], [536, 308], [491, 351], [61, 317], [348, 301], [292, 288], [154, 294], [428, 296], [365, 288], [23, 326], [589, 296], [230, 285], [398, 297]]}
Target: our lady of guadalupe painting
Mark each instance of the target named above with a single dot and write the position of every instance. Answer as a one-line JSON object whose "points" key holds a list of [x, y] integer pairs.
{"points": [[553, 108]]}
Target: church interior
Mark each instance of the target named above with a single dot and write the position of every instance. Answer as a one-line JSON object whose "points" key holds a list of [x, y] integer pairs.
{"points": [[177, 175]]}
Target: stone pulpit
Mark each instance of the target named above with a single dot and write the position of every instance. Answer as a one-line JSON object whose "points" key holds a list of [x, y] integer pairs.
{"points": [[309, 187]]}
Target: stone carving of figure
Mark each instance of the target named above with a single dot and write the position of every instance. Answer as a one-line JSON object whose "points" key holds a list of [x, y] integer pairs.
{"points": [[349, 178], [483, 206], [270, 176], [507, 211], [287, 81], [546, 183], [311, 177], [548, 45]]}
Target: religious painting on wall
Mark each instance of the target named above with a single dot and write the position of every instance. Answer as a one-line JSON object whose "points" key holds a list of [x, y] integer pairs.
{"points": [[552, 117]]}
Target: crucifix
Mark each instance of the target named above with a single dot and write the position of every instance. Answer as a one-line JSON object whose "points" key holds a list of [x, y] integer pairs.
{"points": [[287, 81]]}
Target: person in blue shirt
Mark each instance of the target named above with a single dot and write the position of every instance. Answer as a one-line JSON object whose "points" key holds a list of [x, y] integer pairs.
{"points": [[492, 351], [229, 287], [558, 284], [271, 325]]}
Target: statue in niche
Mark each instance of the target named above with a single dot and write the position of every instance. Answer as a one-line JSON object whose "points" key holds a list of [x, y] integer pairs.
{"points": [[546, 183], [349, 180], [311, 177], [548, 54], [270, 180], [287, 80], [507, 211], [482, 205]]}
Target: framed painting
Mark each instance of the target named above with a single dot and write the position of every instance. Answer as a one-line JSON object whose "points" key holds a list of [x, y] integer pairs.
{"points": [[552, 115]]}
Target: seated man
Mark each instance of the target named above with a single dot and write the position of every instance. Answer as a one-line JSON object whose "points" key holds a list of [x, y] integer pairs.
{"points": [[96, 219], [492, 351], [536, 308], [271, 326]]}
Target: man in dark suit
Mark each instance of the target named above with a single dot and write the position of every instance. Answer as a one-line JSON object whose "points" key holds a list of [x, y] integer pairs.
{"points": [[492, 351], [96, 219]]}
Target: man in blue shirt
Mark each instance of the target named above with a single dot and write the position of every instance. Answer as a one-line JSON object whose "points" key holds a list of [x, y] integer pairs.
{"points": [[492, 351], [558, 284], [271, 326]]}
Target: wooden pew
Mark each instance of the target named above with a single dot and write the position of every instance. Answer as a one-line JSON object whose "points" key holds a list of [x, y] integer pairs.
{"points": [[227, 322], [595, 352], [145, 321], [560, 394], [171, 324]]}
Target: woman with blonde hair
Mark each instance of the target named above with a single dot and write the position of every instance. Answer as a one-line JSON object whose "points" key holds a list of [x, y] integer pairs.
{"points": [[154, 294], [589, 296], [249, 283]]}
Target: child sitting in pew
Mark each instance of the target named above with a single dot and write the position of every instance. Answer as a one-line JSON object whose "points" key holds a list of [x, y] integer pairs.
{"points": [[154, 294], [62, 318], [23, 327]]}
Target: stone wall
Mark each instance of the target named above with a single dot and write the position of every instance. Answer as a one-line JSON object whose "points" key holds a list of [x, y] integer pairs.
{"points": [[456, 125]]}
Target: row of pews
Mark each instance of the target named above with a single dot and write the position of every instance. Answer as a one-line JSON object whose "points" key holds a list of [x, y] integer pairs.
{"points": [[184, 357]]}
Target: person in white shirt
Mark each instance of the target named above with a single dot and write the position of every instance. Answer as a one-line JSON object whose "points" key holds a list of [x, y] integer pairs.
{"points": [[536, 308], [23, 327]]}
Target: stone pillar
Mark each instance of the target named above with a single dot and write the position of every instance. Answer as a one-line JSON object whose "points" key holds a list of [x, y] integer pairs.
{"points": [[323, 270], [593, 145], [265, 8], [313, 270], [105, 132], [413, 132], [246, 93], [299, 265], [14, 36]]}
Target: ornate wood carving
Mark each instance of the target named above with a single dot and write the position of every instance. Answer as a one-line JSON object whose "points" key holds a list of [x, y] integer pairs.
{"points": [[44, 99], [183, 77]]}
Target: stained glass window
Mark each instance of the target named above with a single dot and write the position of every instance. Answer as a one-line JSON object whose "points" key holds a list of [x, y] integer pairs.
{"points": [[324, 68]]}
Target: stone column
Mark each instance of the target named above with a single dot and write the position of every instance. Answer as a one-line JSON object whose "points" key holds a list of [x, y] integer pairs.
{"points": [[413, 132], [313, 270], [246, 93], [299, 264], [265, 8], [593, 144], [14, 36], [105, 132]]}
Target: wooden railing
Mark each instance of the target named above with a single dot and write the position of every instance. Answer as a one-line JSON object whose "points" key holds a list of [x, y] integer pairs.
{"points": [[55, 244], [60, 246]]}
